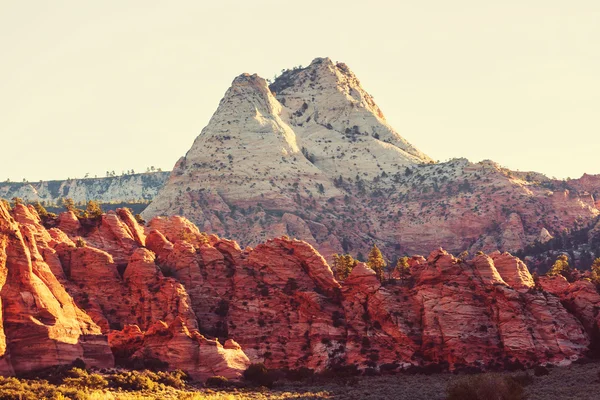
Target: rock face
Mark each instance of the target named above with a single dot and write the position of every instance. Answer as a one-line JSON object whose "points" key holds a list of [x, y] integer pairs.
{"points": [[125, 188], [311, 156], [61, 300], [168, 296], [41, 324]]}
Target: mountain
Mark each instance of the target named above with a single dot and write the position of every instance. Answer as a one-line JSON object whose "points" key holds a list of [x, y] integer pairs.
{"points": [[109, 291], [311, 156]]}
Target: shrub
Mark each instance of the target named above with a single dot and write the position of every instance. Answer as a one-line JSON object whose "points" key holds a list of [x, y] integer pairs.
{"points": [[485, 387], [92, 381], [15, 389], [176, 379], [216, 382], [257, 374], [134, 380]]}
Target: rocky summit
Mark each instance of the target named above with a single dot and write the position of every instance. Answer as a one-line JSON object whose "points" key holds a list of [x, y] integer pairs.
{"points": [[109, 291], [312, 156]]}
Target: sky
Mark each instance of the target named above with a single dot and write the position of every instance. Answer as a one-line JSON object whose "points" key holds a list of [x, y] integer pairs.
{"points": [[88, 87]]}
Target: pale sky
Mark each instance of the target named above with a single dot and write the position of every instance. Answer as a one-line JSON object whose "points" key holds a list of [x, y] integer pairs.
{"points": [[91, 86]]}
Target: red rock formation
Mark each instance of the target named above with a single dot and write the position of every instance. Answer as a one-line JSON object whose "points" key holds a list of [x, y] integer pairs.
{"points": [[181, 348], [41, 325], [284, 308], [175, 295], [62, 299], [580, 297]]}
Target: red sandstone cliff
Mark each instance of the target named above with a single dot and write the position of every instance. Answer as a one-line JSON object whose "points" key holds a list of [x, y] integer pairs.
{"points": [[168, 295]]}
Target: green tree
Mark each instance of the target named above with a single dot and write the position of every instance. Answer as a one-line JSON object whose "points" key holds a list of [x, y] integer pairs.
{"points": [[343, 264], [17, 200], [561, 267], [376, 262], [402, 268], [596, 271], [69, 204], [40, 210], [93, 209]]}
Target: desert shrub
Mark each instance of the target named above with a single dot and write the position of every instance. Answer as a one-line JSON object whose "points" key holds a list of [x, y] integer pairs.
{"points": [[176, 379], [257, 374], [15, 389], [216, 382], [80, 378], [486, 387], [134, 380]]}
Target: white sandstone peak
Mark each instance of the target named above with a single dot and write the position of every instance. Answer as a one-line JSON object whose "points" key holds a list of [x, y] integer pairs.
{"points": [[269, 144]]}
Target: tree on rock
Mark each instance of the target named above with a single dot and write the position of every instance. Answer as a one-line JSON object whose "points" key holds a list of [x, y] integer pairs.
{"points": [[596, 271], [39, 208], [69, 204], [402, 268], [93, 209], [561, 267], [17, 201], [376, 262], [343, 264]]}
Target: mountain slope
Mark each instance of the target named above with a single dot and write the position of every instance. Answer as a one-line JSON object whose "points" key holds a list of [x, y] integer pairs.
{"points": [[311, 156]]}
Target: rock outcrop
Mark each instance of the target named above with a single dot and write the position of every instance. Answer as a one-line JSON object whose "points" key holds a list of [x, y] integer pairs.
{"points": [[62, 297], [41, 324], [166, 295], [114, 189], [311, 156]]}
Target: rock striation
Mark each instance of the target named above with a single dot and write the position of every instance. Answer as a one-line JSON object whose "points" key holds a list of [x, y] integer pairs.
{"points": [[311, 156], [165, 295]]}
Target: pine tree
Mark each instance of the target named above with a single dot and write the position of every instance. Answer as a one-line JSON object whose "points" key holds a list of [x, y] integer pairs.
{"points": [[402, 268], [343, 264], [561, 267], [376, 262], [596, 271], [40, 210], [93, 209], [69, 204]]}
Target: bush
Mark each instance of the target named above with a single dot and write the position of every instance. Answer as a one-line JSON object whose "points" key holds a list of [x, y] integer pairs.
{"points": [[216, 382], [176, 379], [257, 374], [540, 370], [15, 389], [134, 380], [485, 387], [80, 378]]}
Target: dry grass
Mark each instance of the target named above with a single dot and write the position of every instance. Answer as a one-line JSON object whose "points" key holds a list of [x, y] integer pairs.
{"points": [[575, 382]]}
